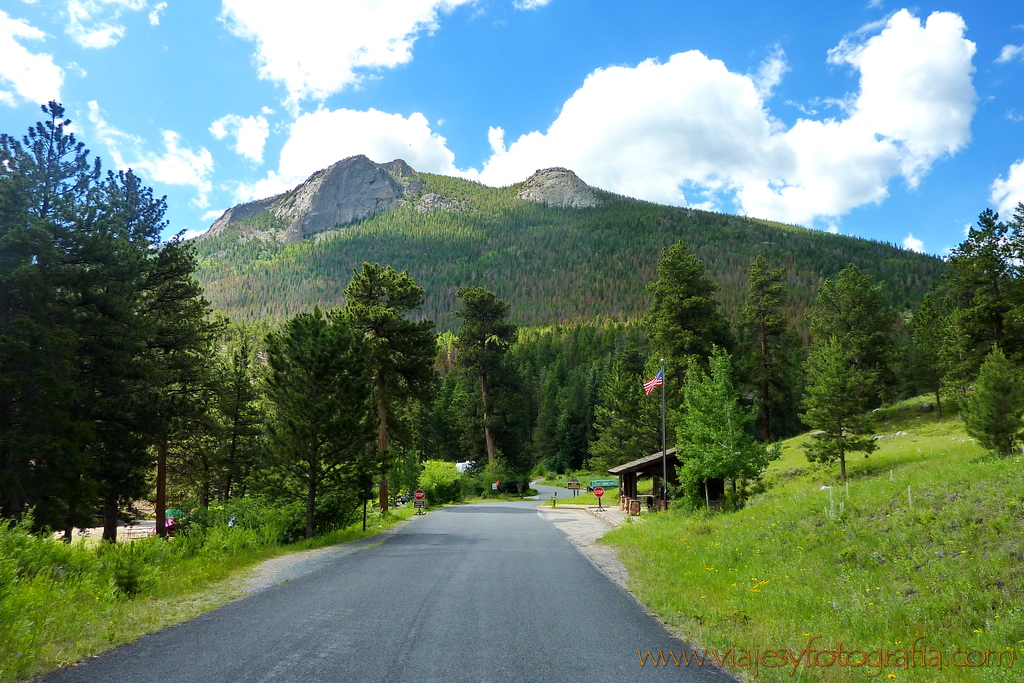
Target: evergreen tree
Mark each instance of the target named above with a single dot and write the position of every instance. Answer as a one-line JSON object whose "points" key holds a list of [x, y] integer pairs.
{"points": [[852, 309], [984, 281], [994, 414], [485, 336], [930, 327], [627, 423], [684, 320], [764, 321], [319, 408], [835, 402], [400, 351]]}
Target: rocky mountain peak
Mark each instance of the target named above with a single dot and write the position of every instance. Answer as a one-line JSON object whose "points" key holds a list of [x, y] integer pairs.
{"points": [[558, 187], [344, 192]]}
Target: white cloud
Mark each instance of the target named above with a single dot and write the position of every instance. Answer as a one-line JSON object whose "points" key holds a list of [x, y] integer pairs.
{"points": [[1007, 193], [178, 165], [250, 134], [319, 139], [769, 74], [913, 244], [212, 215], [33, 77], [319, 47], [154, 16], [189, 233], [1010, 53], [529, 4], [690, 124], [833, 229], [93, 23]]}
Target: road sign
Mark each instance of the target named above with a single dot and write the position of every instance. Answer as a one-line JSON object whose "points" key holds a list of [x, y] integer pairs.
{"points": [[419, 503], [599, 492], [419, 495], [573, 486]]}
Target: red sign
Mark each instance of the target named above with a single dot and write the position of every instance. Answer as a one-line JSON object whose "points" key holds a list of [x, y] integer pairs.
{"points": [[419, 495], [599, 491]]}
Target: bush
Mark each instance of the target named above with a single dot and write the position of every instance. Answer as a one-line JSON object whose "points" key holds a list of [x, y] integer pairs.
{"points": [[441, 482]]}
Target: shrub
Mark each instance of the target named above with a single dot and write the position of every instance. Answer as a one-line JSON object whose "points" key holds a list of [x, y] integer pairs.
{"points": [[441, 482]]}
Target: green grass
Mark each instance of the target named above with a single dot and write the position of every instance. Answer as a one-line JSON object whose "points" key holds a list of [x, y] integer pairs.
{"points": [[927, 541], [62, 603]]}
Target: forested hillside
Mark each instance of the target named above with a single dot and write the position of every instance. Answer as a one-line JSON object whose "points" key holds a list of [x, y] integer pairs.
{"points": [[552, 265]]}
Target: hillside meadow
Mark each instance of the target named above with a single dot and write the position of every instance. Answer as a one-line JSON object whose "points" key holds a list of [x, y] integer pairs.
{"points": [[922, 550]]}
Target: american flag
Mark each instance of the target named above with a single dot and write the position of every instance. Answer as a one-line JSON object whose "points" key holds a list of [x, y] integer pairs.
{"points": [[658, 380]]}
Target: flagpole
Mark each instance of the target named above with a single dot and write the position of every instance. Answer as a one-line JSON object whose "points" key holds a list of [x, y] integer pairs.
{"points": [[664, 451]]}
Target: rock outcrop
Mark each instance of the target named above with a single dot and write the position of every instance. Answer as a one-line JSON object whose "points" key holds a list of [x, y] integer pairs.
{"points": [[558, 187], [356, 188], [344, 192]]}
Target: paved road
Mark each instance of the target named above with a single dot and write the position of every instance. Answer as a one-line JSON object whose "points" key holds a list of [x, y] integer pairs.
{"points": [[488, 592]]}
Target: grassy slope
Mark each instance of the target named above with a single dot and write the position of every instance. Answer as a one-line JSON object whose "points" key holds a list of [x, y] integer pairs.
{"points": [[874, 573]]}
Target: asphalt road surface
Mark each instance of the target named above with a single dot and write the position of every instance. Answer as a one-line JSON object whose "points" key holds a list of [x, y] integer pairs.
{"points": [[487, 592]]}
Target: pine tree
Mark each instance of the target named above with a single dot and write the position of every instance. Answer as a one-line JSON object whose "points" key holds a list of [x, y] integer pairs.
{"points": [[684, 320], [485, 336], [319, 399], [852, 309], [763, 319], [994, 413], [627, 423], [835, 402], [400, 351]]}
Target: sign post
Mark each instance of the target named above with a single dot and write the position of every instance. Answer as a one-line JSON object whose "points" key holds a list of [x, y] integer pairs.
{"points": [[573, 485], [419, 501], [599, 491]]}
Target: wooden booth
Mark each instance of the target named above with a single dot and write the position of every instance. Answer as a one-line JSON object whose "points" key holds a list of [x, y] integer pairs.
{"points": [[647, 467]]}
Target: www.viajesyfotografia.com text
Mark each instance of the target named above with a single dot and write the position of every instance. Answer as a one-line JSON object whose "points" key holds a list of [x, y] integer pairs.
{"points": [[874, 662]]}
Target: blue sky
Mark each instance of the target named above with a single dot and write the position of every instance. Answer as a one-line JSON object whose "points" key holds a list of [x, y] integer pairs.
{"points": [[872, 118]]}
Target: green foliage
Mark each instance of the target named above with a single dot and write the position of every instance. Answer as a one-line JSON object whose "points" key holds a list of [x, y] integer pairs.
{"points": [[711, 432], [627, 423], [994, 413], [835, 402], [685, 319], [399, 351], [441, 482], [318, 400], [852, 309], [103, 331], [769, 361], [523, 252]]}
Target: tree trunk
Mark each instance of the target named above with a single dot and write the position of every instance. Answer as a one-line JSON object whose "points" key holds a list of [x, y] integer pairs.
{"points": [[938, 403], [110, 520], [765, 416], [161, 489], [842, 462], [488, 433], [310, 504], [382, 440]]}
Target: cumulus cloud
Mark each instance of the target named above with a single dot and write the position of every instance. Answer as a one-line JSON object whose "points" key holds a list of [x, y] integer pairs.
{"points": [[177, 165], [94, 23], [319, 47], [690, 128], [912, 243], [318, 139], [1010, 53], [33, 77], [250, 134], [1006, 193]]}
